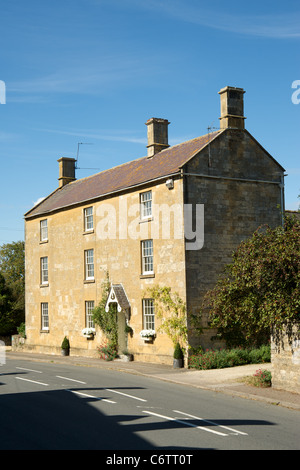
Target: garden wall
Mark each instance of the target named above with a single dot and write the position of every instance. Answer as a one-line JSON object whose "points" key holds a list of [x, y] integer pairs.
{"points": [[285, 358]]}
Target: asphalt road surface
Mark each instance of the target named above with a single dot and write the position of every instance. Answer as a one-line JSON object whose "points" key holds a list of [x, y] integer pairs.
{"points": [[50, 406]]}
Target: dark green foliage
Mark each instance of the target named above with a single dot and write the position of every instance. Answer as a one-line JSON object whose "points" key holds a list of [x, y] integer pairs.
{"points": [[65, 343], [260, 289], [178, 354]]}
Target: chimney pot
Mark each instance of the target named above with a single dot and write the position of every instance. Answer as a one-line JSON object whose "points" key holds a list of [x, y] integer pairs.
{"points": [[157, 133], [66, 170], [232, 108]]}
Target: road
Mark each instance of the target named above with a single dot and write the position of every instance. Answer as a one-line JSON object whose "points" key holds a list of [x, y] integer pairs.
{"points": [[57, 406]]}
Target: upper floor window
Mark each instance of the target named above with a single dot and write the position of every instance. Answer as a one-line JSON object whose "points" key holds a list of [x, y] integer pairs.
{"points": [[88, 219], [44, 230], [147, 257], [44, 316], [89, 307], [146, 204], [44, 270], [89, 264]]}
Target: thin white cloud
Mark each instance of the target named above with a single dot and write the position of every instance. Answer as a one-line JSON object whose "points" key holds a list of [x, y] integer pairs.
{"points": [[285, 25], [113, 136], [87, 78]]}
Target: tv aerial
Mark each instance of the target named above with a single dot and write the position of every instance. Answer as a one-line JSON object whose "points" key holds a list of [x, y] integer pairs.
{"points": [[77, 157]]}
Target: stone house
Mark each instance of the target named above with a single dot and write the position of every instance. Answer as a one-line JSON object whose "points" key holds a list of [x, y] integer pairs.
{"points": [[170, 218]]}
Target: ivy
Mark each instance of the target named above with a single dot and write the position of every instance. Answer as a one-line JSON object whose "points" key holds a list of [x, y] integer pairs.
{"points": [[107, 321], [170, 309]]}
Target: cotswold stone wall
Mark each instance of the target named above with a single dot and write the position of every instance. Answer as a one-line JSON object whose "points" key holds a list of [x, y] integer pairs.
{"points": [[285, 357]]}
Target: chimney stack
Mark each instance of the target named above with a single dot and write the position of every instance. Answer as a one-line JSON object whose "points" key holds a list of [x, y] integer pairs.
{"points": [[232, 108], [66, 171], [157, 133]]}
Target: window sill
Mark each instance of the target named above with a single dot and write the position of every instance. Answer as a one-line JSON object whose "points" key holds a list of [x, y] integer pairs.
{"points": [[44, 331], [44, 285], [42, 242], [89, 281], [145, 276], [146, 219], [87, 232]]}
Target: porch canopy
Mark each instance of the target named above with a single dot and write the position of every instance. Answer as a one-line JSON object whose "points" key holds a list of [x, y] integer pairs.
{"points": [[118, 295]]}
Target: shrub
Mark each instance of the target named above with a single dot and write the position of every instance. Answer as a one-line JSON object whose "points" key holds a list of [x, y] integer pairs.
{"points": [[65, 343], [261, 378], [108, 352], [178, 354], [219, 359]]}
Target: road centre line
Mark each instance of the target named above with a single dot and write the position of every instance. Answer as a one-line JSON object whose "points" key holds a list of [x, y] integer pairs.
{"points": [[90, 396], [186, 423], [33, 381], [211, 422], [125, 394], [73, 380], [30, 370]]}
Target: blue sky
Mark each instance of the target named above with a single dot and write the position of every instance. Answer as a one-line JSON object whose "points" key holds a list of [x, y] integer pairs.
{"points": [[94, 71]]}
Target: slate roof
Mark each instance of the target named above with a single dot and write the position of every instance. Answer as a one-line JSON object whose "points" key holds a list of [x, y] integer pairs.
{"points": [[122, 177]]}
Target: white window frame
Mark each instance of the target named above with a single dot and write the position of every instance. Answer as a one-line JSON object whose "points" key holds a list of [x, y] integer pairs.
{"points": [[89, 307], [44, 230], [89, 264], [44, 270], [88, 219], [147, 256], [148, 314], [45, 316], [146, 205]]}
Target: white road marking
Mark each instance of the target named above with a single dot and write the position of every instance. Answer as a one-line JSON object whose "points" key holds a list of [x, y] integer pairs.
{"points": [[90, 396], [186, 423], [211, 422], [125, 394], [73, 380], [33, 381], [30, 370]]}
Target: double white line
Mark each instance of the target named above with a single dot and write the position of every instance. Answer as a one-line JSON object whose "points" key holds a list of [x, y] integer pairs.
{"points": [[202, 428]]}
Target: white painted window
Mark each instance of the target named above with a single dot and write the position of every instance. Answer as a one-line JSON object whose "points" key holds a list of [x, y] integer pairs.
{"points": [[147, 257], [45, 316], [89, 264], [44, 230], [44, 270], [148, 314], [89, 307], [146, 204], [88, 219]]}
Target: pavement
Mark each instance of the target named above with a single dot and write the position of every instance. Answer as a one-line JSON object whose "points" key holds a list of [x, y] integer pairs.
{"points": [[229, 380]]}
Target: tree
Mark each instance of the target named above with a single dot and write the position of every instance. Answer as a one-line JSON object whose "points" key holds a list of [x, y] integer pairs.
{"points": [[12, 269], [260, 289], [6, 320]]}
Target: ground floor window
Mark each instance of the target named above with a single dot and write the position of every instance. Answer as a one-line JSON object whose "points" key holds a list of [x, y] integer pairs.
{"points": [[148, 314], [89, 307], [45, 316]]}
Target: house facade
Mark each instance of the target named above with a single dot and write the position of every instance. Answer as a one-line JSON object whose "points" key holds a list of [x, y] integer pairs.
{"points": [[171, 218]]}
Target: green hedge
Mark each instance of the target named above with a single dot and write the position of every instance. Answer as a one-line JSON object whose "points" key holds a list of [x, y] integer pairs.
{"points": [[219, 359]]}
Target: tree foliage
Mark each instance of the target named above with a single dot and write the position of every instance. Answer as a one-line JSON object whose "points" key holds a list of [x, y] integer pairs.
{"points": [[12, 287], [260, 289]]}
